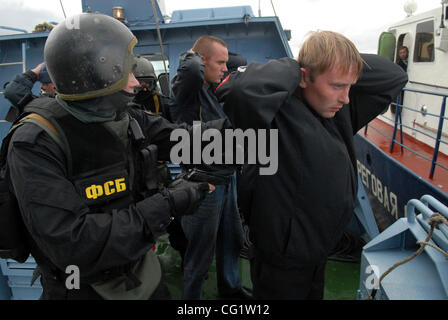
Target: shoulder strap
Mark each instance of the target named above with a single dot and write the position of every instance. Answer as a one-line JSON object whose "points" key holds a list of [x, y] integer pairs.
{"points": [[156, 102], [46, 125], [37, 120]]}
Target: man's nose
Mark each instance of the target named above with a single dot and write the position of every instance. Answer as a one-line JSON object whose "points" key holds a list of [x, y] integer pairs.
{"points": [[344, 98], [133, 82]]}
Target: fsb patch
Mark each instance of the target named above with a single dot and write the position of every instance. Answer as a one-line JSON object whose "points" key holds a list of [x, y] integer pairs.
{"points": [[107, 189], [103, 187]]}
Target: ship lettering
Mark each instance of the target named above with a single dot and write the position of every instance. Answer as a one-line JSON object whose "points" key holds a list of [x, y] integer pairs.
{"points": [[381, 192]]}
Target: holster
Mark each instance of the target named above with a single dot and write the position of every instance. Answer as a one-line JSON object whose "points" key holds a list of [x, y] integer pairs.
{"points": [[149, 157]]}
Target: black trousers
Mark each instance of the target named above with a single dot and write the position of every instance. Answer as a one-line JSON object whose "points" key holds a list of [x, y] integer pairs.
{"points": [[287, 283], [53, 289]]}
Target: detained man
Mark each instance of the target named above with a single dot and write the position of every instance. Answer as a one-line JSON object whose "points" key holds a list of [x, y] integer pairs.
{"points": [[317, 103]]}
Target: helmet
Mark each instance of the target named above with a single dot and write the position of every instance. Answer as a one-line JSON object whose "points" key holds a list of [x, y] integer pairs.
{"points": [[235, 60], [89, 55], [144, 68], [44, 77]]}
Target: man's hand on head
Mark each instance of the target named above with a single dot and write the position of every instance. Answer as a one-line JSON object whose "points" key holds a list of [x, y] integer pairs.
{"points": [[38, 69]]}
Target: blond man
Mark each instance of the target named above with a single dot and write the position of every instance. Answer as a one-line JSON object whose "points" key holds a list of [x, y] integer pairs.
{"points": [[317, 103]]}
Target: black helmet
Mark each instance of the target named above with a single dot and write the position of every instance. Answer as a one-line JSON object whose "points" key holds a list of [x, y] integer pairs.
{"points": [[89, 55], [144, 68], [235, 60]]}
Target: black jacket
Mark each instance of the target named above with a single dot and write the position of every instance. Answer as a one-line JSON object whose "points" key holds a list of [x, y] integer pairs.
{"points": [[194, 100], [19, 88], [66, 228], [298, 214], [403, 64]]}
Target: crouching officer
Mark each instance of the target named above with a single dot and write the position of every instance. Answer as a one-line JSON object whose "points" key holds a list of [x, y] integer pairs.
{"points": [[148, 95], [82, 170]]}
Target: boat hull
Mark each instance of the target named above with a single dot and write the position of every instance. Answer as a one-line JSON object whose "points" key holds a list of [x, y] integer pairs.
{"points": [[389, 183]]}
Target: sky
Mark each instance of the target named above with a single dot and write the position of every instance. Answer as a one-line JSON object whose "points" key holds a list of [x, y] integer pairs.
{"points": [[362, 21]]}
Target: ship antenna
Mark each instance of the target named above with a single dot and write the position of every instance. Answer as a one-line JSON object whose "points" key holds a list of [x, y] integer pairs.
{"points": [[273, 8], [158, 34], [259, 8], [62, 6], [442, 24]]}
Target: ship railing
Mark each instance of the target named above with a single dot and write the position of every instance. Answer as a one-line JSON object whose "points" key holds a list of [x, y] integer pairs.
{"points": [[398, 127]]}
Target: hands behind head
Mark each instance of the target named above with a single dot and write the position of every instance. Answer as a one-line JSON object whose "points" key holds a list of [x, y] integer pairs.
{"points": [[38, 68]]}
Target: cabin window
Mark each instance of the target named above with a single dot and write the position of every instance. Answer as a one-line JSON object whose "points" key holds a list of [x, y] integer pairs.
{"points": [[424, 42], [404, 40]]}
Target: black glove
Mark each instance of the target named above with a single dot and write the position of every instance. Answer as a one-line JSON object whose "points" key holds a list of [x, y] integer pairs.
{"points": [[185, 196], [219, 124]]}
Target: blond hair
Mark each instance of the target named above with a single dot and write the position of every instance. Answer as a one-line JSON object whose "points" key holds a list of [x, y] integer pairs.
{"points": [[324, 50], [203, 45]]}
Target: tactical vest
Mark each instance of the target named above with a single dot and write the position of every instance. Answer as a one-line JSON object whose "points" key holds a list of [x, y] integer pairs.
{"points": [[106, 174]]}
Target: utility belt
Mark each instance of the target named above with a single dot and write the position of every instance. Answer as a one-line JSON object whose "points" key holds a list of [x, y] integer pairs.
{"points": [[199, 175], [58, 275]]}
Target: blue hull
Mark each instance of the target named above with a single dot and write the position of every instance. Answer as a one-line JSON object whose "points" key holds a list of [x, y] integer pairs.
{"points": [[390, 184]]}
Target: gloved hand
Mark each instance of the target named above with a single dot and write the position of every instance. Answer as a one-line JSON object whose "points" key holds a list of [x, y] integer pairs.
{"points": [[219, 124], [185, 196]]}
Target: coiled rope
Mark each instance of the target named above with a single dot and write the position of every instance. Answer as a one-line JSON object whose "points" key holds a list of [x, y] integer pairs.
{"points": [[434, 221]]}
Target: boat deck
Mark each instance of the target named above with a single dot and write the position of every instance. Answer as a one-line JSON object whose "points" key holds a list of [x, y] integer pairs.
{"points": [[341, 278], [407, 158]]}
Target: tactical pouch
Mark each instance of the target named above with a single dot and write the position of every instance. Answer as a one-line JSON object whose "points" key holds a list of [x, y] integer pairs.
{"points": [[13, 244], [149, 168], [13, 234], [12, 238]]}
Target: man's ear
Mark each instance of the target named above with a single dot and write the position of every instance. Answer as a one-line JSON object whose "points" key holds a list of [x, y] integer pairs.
{"points": [[305, 77], [204, 59]]}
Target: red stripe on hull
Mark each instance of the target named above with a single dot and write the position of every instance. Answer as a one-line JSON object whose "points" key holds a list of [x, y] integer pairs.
{"points": [[407, 158]]}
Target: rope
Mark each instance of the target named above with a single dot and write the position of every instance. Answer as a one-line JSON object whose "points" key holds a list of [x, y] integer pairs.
{"points": [[156, 17], [434, 222]]}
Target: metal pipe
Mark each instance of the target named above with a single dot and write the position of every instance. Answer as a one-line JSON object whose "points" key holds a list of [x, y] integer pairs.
{"points": [[10, 63], [158, 34], [13, 29], [407, 148], [401, 129], [397, 111], [439, 133], [23, 56]]}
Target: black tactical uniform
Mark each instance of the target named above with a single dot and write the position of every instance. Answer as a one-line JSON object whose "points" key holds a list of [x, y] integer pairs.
{"points": [[85, 182], [148, 96]]}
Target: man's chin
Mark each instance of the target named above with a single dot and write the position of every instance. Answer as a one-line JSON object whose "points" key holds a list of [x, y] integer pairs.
{"points": [[327, 114]]}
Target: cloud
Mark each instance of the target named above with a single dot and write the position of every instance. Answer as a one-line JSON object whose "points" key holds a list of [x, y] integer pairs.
{"points": [[17, 15]]}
